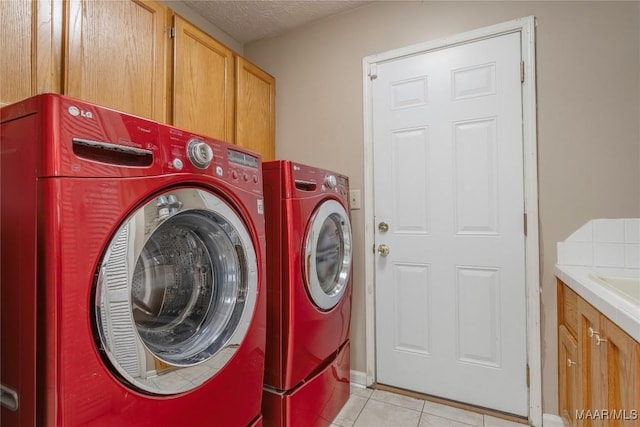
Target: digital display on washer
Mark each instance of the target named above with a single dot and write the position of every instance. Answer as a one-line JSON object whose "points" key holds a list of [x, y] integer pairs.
{"points": [[243, 159]]}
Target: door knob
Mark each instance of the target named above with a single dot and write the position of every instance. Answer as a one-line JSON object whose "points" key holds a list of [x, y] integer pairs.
{"points": [[383, 227], [383, 250]]}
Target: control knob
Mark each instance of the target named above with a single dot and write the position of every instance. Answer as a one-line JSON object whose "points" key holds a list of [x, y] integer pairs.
{"points": [[199, 153], [330, 181]]}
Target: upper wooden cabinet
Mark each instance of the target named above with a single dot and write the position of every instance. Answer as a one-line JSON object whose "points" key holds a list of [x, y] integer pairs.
{"points": [[203, 83], [116, 55], [255, 109], [29, 48], [138, 57]]}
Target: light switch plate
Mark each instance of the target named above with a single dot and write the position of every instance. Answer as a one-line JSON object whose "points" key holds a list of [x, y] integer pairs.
{"points": [[354, 199]]}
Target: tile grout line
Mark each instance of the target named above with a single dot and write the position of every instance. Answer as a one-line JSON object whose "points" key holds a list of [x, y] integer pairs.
{"points": [[422, 412], [360, 412]]}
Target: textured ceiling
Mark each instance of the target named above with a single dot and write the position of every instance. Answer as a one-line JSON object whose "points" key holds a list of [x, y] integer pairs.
{"points": [[249, 20]]}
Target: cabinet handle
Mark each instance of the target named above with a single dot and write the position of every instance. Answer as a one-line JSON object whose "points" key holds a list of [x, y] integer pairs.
{"points": [[570, 363], [599, 340], [595, 334]]}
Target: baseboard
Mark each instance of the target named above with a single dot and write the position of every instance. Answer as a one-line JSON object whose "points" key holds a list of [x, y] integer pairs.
{"points": [[550, 420], [358, 378]]}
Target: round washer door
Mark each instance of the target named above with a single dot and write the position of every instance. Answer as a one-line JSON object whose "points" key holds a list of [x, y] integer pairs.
{"points": [[175, 291], [327, 264]]}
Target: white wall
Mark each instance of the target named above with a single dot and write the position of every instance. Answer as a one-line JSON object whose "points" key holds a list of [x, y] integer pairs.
{"points": [[588, 113]]}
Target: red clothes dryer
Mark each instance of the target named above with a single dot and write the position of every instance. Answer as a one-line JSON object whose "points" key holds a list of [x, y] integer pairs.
{"points": [[132, 270], [309, 253]]}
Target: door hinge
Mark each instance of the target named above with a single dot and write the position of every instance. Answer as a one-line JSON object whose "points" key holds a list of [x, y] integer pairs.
{"points": [[172, 32], [525, 223], [373, 71], [528, 381], [521, 71]]}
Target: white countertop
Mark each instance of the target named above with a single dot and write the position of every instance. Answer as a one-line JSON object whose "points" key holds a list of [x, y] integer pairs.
{"points": [[622, 311]]}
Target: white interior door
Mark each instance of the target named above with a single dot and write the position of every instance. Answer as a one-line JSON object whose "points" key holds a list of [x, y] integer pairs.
{"points": [[448, 187]]}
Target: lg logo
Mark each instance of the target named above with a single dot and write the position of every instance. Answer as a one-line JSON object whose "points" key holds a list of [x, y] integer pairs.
{"points": [[75, 112]]}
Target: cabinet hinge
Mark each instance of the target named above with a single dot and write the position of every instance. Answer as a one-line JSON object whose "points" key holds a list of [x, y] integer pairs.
{"points": [[172, 32], [373, 71], [521, 71], [525, 223]]}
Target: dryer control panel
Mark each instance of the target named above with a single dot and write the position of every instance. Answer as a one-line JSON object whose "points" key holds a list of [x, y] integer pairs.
{"points": [[309, 180]]}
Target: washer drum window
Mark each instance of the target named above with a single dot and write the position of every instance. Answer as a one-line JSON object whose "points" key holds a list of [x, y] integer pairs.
{"points": [[176, 292], [328, 255]]}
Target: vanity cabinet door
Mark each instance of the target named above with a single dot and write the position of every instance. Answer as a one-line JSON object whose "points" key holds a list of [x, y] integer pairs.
{"points": [[569, 376], [603, 388], [622, 370], [590, 357]]}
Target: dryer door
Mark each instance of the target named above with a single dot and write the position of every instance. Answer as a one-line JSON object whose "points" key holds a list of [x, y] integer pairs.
{"points": [[176, 291], [327, 261]]}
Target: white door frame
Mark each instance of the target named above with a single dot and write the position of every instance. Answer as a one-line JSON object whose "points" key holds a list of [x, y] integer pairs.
{"points": [[525, 26]]}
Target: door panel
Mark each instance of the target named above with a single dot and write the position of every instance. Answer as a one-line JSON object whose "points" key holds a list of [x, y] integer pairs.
{"points": [[255, 109], [203, 95], [448, 180], [117, 55]]}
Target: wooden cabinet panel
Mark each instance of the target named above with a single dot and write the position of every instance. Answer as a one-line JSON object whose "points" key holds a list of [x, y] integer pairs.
{"points": [[255, 105], [29, 48], [203, 83], [568, 308], [622, 372], [568, 376], [116, 55], [589, 360], [605, 389], [18, 38]]}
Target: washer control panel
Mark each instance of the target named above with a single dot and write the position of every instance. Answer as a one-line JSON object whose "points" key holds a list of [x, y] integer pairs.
{"points": [[191, 153], [244, 167]]}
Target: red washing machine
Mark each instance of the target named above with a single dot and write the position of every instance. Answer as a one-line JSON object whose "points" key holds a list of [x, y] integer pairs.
{"points": [[132, 269], [309, 256]]}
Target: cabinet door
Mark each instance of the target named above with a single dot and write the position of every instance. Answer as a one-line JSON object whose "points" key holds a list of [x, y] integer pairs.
{"points": [[592, 382], [117, 55], [255, 109], [203, 83], [622, 370], [29, 49], [568, 376]]}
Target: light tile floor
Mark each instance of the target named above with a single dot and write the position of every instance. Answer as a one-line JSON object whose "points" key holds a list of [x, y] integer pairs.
{"points": [[378, 408]]}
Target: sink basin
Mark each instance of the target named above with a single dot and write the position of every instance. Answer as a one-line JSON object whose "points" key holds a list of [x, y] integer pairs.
{"points": [[627, 286]]}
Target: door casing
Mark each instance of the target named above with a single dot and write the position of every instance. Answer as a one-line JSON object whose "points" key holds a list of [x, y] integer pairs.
{"points": [[526, 27]]}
